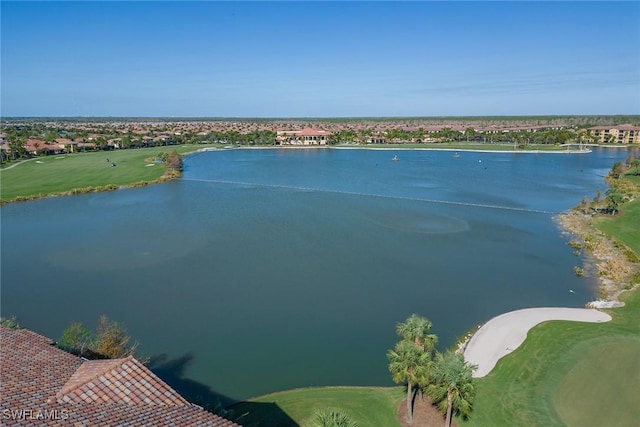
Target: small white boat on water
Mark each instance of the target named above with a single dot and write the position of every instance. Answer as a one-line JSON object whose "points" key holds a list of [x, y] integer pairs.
{"points": [[395, 158]]}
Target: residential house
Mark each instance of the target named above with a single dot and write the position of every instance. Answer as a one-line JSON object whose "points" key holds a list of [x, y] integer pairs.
{"points": [[4, 146], [376, 139], [620, 134], [45, 386], [306, 136], [37, 146], [67, 144]]}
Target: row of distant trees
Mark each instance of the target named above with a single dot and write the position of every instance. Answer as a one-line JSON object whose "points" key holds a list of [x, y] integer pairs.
{"points": [[18, 135], [520, 137]]}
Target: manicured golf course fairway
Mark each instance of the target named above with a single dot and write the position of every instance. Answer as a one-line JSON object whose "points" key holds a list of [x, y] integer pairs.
{"points": [[63, 173], [568, 373]]}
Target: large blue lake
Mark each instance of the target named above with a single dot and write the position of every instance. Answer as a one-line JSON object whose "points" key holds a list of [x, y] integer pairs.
{"points": [[273, 269]]}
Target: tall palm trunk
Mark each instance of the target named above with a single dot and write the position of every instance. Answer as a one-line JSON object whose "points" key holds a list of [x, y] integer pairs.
{"points": [[447, 421], [409, 412]]}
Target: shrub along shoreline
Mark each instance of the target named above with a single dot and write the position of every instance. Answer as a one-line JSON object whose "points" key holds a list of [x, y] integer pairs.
{"points": [[607, 234]]}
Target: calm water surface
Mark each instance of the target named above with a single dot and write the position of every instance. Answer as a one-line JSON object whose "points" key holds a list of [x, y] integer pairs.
{"points": [[275, 269]]}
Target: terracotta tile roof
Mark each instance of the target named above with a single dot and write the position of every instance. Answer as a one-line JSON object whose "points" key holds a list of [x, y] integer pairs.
{"points": [[616, 127], [43, 385], [124, 381], [626, 127], [311, 132]]}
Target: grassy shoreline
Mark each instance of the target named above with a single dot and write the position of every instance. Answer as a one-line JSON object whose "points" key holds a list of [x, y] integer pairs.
{"points": [[369, 406], [80, 173], [610, 243]]}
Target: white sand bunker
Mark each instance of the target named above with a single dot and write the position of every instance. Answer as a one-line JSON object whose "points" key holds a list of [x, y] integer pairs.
{"points": [[503, 334]]}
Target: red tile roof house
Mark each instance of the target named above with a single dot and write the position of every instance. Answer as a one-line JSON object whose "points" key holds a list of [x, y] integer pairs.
{"points": [[306, 136], [36, 146], [41, 385]]}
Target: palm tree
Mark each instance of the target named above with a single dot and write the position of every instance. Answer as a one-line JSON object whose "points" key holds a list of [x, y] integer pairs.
{"points": [[584, 137], [411, 365], [416, 330], [470, 133], [17, 147], [617, 170], [331, 418], [614, 200], [452, 387]]}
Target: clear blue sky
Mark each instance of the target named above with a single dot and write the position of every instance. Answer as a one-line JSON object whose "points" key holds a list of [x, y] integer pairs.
{"points": [[319, 59]]}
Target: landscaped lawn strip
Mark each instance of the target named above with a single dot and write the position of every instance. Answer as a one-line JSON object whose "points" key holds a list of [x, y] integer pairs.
{"points": [[368, 406], [625, 227]]}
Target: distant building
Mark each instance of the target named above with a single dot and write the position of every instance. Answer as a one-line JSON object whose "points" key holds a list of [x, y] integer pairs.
{"points": [[36, 146], [307, 136], [45, 386], [620, 134], [376, 140]]}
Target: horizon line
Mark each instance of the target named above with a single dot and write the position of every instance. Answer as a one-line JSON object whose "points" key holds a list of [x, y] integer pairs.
{"points": [[327, 117]]}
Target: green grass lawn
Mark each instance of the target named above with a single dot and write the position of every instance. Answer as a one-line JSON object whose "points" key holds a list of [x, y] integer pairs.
{"points": [[625, 227], [568, 373], [58, 174], [611, 402], [368, 406]]}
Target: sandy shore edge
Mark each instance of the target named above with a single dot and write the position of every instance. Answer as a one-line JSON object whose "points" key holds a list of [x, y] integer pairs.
{"points": [[503, 334]]}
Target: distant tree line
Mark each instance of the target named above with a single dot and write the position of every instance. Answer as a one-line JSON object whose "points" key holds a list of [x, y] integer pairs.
{"points": [[18, 135], [521, 138]]}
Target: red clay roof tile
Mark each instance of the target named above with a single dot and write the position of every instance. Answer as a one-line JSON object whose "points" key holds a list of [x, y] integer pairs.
{"points": [[37, 376]]}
